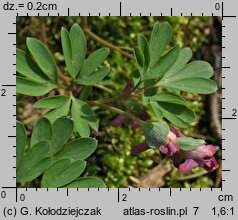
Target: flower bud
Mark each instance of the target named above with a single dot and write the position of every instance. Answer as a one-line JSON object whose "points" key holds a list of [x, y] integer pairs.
{"points": [[156, 133], [172, 145]]}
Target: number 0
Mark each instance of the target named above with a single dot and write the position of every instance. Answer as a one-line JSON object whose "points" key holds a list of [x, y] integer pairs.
{"points": [[3, 194], [22, 197], [217, 6]]}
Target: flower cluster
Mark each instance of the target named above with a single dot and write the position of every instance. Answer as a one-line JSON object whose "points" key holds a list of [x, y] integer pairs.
{"points": [[185, 161]]}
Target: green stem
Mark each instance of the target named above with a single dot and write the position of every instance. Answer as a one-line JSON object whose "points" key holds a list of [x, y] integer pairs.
{"points": [[107, 44], [119, 97], [103, 88], [115, 98], [62, 87], [115, 110], [155, 84], [192, 176], [137, 85]]}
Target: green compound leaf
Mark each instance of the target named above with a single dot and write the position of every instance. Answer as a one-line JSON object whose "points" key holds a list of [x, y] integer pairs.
{"points": [[86, 182], [20, 142], [93, 61], [85, 93], [169, 97], [193, 85], [193, 77], [27, 67], [145, 49], [160, 37], [140, 59], [62, 172], [80, 123], [170, 103], [156, 133], [151, 91], [43, 58], [164, 64], [83, 117], [52, 102], [74, 48], [196, 69], [62, 130], [78, 149], [174, 119], [32, 88], [188, 115], [35, 162], [176, 111], [94, 77], [135, 77], [156, 109], [42, 131], [173, 108], [189, 144], [61, 111], [184, 56]]}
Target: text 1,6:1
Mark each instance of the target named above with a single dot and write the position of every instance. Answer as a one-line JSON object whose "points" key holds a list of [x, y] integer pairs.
{"points": [[223, 211]]}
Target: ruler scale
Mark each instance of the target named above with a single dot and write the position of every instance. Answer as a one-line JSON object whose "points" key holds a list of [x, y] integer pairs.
{"points": [[128, 203]]}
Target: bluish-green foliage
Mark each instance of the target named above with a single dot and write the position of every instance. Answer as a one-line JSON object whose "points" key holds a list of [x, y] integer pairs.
{"points": [[113, 161]]}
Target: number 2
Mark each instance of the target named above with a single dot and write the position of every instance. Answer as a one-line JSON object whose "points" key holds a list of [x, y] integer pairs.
{"points": [[234, 112], [3, 92]]}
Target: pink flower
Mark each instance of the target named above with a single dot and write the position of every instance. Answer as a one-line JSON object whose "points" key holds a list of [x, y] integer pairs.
{"points": [[201, 156], [172, 145], [177, 132], [185, 161]]}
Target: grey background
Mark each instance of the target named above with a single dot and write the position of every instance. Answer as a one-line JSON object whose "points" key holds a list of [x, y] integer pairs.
{"points": [[139, 198]]}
